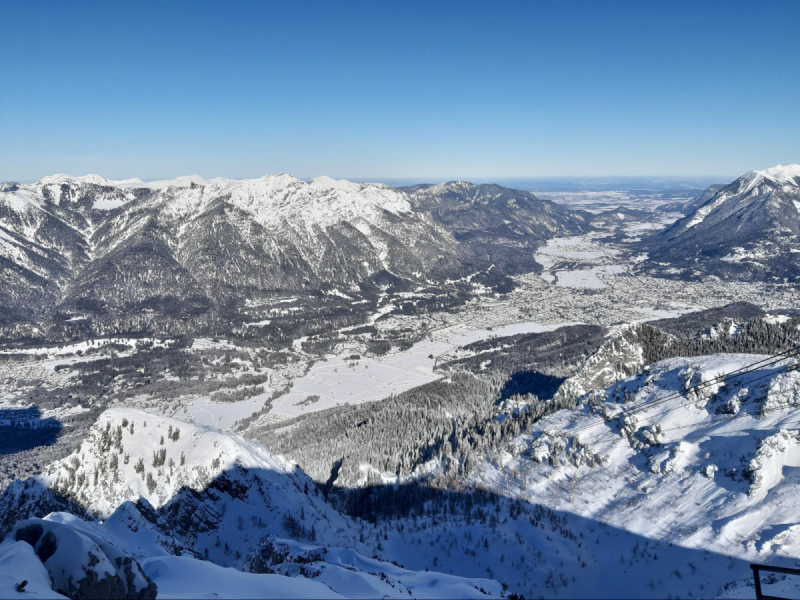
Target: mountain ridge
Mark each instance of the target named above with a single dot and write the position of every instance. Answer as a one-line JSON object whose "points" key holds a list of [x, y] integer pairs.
{"points": [[748, 229], [112, 247]]}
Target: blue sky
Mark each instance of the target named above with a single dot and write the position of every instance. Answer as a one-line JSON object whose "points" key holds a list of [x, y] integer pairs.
{"points": [[426, 90]]}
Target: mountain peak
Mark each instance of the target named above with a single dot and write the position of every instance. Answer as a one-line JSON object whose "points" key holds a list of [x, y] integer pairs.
{"points": [[751, 225], [142, 436], [782, 173], [328, 183]]}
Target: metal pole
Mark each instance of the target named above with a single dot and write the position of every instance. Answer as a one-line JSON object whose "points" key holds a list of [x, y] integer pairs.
{"points": [[757, 582]]}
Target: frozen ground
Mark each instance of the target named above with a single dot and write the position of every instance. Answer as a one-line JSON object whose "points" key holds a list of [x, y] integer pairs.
{"points": [[350, 377], [342, 380]]}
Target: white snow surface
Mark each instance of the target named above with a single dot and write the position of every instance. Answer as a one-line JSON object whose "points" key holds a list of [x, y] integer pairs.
{"points": [[751, 183], [259, 489], [206, 454], [18, 563], [269, 197], [782, 173], [74, 553], [338, 571], [715, 469], [183, 577]]}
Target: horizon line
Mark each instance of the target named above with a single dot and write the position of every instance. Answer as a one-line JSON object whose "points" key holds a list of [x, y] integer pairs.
{"points": [[420, 180]]}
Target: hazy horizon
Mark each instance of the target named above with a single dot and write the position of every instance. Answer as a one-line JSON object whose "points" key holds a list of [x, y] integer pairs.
{"points": [[541, 183]]}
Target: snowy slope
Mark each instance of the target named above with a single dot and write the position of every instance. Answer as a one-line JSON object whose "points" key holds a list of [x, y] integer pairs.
{"points": [[202, 485], [183, 577], [714, 470], [80, 558], [79, 562], [749, 228], [19, 563], [168, 494]]}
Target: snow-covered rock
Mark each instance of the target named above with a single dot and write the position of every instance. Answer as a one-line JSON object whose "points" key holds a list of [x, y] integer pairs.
{"points": [[196, 485], [22, 574], [195, 508], [80, 564], [714, 469]]}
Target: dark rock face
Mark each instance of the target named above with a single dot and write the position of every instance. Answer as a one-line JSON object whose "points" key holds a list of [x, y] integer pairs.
{"points": [[25, 499], [47, 547], [30, 533], [92, 587]]}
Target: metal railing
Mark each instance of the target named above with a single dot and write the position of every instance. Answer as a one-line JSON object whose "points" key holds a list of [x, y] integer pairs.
{"points": [[757, 578]]}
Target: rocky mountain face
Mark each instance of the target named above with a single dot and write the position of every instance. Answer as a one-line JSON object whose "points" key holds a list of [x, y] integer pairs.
{"points": [[77, 247], [45, 240], [748, 229], [497, 224]]}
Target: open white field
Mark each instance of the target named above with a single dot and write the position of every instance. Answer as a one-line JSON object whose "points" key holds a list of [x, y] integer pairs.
{"points": [[341, 380]]}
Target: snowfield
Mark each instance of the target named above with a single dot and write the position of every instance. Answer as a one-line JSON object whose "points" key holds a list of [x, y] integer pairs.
{"points": [[715, 470], [343, 380]]}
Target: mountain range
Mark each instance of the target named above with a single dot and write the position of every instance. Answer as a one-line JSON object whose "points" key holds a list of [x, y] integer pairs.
{"points": [[76, 247]]}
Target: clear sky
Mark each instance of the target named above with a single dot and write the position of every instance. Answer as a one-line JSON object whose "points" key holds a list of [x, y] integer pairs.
{"points": [[399, 89]]}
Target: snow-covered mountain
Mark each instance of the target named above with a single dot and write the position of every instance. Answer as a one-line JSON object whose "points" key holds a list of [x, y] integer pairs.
{"points": [[645, 490], [188, 246], [689, 206], [749, 229], [499, 224], [195, 480], [45, 232], [639, 486], [227, 238], [43, 556], [160, 499], [712, 469]]}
